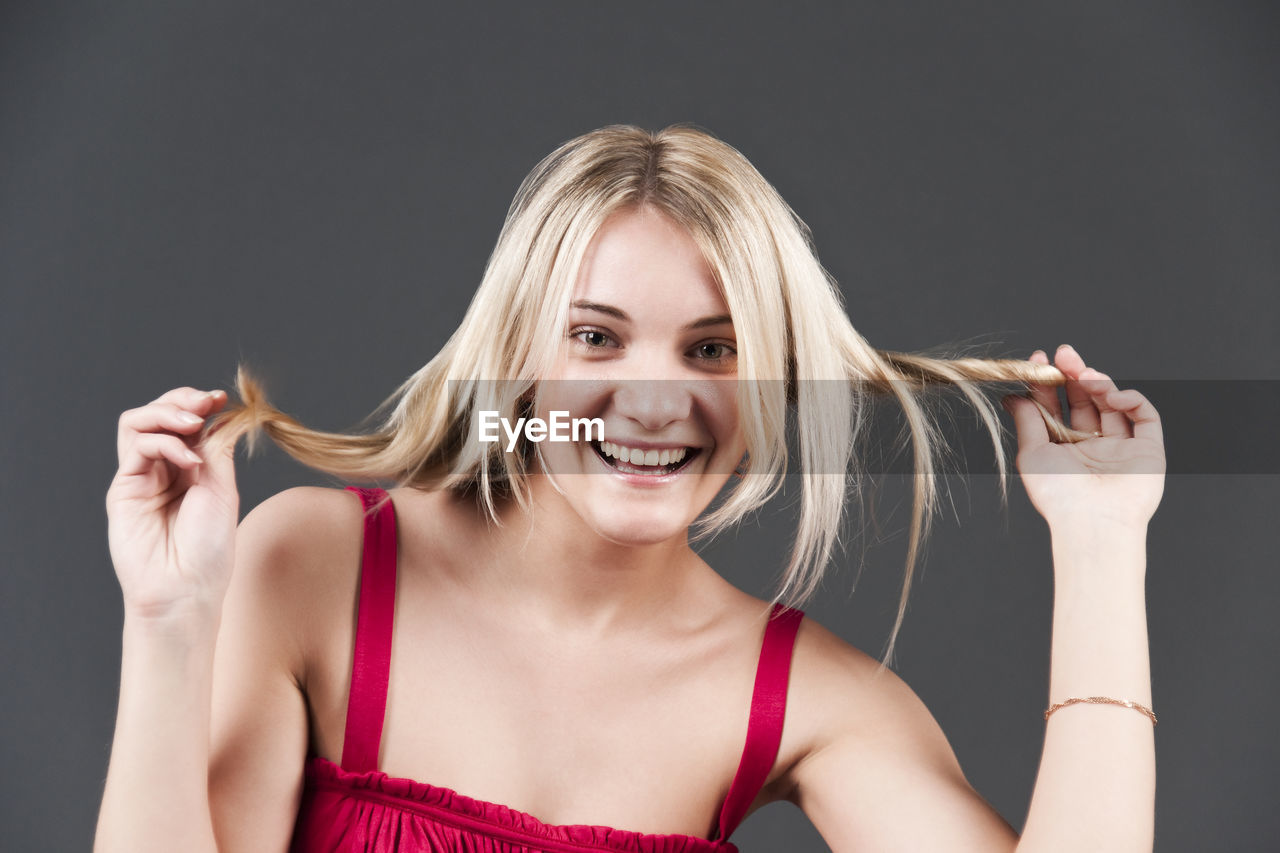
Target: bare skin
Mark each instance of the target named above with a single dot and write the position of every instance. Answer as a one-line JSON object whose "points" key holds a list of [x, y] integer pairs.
{"points": [[561, 724], [586, 667], [602, 658]]}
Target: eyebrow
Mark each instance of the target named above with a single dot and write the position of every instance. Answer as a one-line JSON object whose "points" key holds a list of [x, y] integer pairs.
{"points": [[713, 320]]}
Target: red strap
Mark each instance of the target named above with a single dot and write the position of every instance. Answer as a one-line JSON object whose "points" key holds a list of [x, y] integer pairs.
{"points": [[367, 699], [768, 710]]}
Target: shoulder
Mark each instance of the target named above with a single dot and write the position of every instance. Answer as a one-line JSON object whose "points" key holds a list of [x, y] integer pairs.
{"points": [[298, 555], [297, 552], [303, 522], [287, 515], [314, 533], [841, 701], [293, 532], [869, 758]]}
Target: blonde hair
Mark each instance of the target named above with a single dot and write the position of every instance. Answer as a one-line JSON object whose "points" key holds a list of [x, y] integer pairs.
{"points": [[796, 349]]}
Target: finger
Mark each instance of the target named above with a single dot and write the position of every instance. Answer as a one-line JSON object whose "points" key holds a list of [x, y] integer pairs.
{"points": [[150, 448], [1138, 409], [1084, 413], [1113, 423], [167, 412], [192, 398], [1046, 395], [154, 418], [1028, 422], [218, 471]]}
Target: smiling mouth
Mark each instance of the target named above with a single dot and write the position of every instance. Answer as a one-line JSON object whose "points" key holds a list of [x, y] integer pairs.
{"points": [[691, 453]]}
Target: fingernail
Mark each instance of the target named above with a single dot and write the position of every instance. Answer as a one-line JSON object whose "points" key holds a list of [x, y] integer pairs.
{"points": [[189, 418]]}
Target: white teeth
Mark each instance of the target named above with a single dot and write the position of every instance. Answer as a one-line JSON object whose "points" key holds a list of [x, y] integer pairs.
{"points": [[635, 456]]}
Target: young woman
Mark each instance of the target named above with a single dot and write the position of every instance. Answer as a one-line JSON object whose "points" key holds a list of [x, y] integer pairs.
{"points": [[516, 648]]}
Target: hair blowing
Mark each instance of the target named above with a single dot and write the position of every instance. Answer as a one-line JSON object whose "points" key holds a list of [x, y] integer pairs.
{"points": [[789, 320]]}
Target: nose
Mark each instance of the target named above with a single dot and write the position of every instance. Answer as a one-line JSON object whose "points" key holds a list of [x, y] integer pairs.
{"points": [[653, 404]]}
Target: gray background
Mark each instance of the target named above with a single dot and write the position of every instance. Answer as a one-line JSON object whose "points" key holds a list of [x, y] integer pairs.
{"points": [[315, 187]]}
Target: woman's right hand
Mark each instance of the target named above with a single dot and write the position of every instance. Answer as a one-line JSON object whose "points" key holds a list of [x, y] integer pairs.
{"points": [[172, 509]]}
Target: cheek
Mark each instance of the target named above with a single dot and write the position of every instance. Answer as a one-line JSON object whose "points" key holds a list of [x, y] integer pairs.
{"points": [[723, 419], [580, 398]]}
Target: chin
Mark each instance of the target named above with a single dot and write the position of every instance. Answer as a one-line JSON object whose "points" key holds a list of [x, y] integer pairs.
{"points": [[638, 528]]}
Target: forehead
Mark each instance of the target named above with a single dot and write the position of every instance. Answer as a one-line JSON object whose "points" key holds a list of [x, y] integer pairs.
{"points": [[643, 256]]}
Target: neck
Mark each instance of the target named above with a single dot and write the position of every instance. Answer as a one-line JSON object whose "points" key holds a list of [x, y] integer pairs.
{"points": [[555, 571]]}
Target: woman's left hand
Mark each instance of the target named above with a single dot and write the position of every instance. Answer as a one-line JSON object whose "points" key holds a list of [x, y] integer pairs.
{"points": [[1115, 478]]}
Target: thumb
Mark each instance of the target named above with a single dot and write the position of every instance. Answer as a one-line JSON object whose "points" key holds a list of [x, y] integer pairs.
{"points": [[218, 472], [1027, 422]]}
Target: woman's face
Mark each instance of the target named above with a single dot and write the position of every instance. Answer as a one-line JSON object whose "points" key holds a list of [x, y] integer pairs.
{"points": [[649, 350]]}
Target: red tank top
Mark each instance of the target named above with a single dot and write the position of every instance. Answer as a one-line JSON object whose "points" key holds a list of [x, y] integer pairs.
{"points": [[356, 807]]}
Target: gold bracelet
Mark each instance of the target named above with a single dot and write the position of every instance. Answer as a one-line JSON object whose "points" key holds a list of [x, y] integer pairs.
{"points": [[1107, 700]]}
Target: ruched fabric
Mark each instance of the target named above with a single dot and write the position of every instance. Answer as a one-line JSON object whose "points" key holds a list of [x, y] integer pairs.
{"points": [[356, 807]]}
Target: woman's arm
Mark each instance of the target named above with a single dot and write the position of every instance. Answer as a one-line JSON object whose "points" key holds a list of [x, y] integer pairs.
{"points": [[1096, 785], [156, 795], [171, 530], [878, 772], [1095, 789], [212, 726]]}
